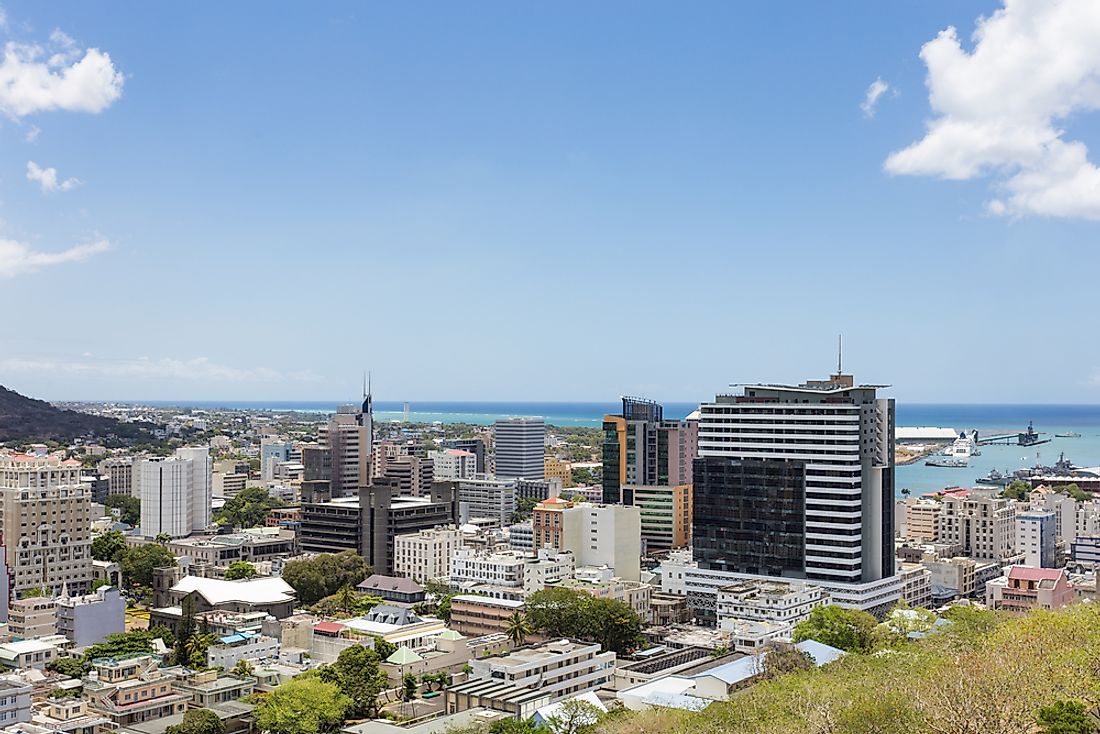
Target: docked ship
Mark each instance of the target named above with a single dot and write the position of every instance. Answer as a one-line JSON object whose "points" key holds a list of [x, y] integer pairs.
{"points": [[964, 447], [995, 479], [1068, 434], [951, 462]]}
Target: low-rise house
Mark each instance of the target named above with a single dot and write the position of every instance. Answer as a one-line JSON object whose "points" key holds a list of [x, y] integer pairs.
{"points": [[32, 617], [131, 689], [37, 653], [696, 691], [1025, 588], [396, 625], [762, 600], [208, 688], [15, 701], [393, 589], [68, 715], [231, 649], [476, 615]]}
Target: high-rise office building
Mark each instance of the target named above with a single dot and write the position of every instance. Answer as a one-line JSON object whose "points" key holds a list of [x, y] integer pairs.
{"points": [[46, 525], [175, 492], [119, 472], [474, 445], [520, 448], [1035, 531], [640, 447], [349, 437], [797, 481]]}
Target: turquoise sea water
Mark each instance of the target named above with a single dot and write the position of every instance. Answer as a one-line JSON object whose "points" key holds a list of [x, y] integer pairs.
{"points": [[918, 478]]}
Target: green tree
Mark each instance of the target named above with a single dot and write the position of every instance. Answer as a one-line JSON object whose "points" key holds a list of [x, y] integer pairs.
{"points": [[240, 570], [1066, 717], [96, 583], [195, 648], [1017, 490], [779, 659], [1076, 493], [574, 716], [557, 612], [243, 669], [383, 647], [613, 624], [72, 667], [248, 508], [108, 546], [513, 726], [129, 507], [358, 675], [138, 562], [198, 721], [35, 592], [852, 630], [117, 644], [408, 686], [315, 578], [302, 706], [517, 628], [163, 538]]}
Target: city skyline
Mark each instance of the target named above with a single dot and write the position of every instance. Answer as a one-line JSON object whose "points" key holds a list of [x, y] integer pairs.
{"points": [[188, 191]]}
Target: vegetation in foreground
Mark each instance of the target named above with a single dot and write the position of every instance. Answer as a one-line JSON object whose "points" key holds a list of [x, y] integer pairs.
{"points": [[986, 673]]}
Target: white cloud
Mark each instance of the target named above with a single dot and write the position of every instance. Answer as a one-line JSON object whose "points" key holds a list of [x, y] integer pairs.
{"points": [[47, 179], [197, 368], [876, 90], [17, 258], [1035, 63], [59, 76], [33, 133], [3, 19]]}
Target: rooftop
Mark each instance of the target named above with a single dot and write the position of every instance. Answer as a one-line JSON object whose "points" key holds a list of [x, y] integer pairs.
{"points": [[265, 590]]}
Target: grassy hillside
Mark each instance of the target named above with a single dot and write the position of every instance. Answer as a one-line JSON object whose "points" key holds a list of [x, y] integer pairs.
{"points": [[24, 419], [985, 674]]}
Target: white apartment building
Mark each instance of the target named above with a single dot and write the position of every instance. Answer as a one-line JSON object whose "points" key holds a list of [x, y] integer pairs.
{"points": [[982, 523], [231, 649], [599, 535], [1072, 518], [1035, 538], [769, 601], [176, 492], [451, 464], [426, 555], [509, 570], [530, 678], [33, 617], [483, 498], [45, 525]]}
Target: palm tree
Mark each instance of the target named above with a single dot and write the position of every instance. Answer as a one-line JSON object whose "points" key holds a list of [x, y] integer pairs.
{"points": [[518, 628], [162, 538], [346, 598]]}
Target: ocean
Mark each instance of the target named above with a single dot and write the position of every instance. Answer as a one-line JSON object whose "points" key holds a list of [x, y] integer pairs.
{"points": [[918, 478]]}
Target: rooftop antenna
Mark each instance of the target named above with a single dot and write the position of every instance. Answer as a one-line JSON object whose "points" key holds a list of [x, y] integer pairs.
{"points": [[365, 378], [839, 353]]}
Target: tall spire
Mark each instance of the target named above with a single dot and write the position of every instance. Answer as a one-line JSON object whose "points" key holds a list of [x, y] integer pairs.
{"points": [[840, 354]]}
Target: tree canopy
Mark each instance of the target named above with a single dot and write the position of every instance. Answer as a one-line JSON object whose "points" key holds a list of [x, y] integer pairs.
{"points": [[324, 574], [558, 612], [852, 630], [138, 562], [305, 705], [108, 546], [198, 721], [1017, 489], [129, 508], [248, 508], [358, 675], [240, 570]]}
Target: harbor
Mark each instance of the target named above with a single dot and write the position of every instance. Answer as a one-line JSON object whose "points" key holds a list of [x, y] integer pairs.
{"points": [[994, 456]]}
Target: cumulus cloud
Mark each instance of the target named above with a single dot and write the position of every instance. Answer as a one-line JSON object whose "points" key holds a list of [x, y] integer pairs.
{"points": [[876, 90], [57, 76], [999, 107], [197, 368], [47, 179], [33, 133], [17, 258]]}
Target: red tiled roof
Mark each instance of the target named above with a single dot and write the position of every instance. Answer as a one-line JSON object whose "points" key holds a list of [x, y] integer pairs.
{"points": [[1030, 573], [328, 628]]}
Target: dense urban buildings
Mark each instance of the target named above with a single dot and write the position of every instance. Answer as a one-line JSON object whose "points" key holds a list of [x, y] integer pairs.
{"points": [[666, 515], [349, 437]]}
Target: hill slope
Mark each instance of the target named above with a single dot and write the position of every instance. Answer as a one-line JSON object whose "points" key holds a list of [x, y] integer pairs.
{"points": [[27, 419]]}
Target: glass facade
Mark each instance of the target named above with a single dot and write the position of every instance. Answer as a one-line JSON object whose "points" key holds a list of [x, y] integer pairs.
{"points": [[749, 516]]}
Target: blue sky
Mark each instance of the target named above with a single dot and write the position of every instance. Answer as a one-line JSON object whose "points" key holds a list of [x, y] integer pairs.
{"points": [[511, 201]]}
